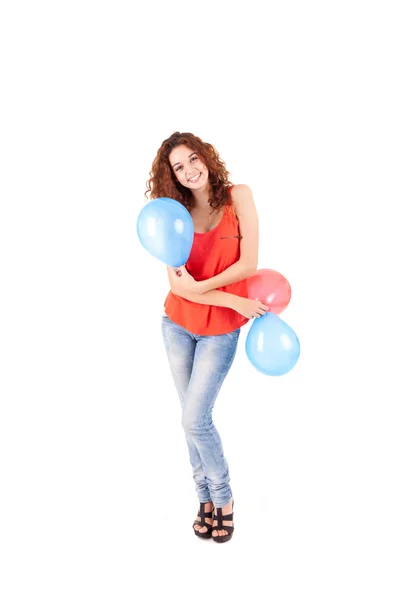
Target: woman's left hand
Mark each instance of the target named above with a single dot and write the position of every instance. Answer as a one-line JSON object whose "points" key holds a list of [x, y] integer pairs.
{"points": [[184, 282]]}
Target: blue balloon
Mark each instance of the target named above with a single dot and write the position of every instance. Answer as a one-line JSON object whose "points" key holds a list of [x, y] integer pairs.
{"points": [[272, 346], [165, 230]]}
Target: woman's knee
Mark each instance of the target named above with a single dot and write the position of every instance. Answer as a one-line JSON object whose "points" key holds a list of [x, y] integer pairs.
{"points": [[193, 422]]}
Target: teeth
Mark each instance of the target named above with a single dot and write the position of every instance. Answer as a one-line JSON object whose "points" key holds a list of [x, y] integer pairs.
{"points": [[193, 179]]}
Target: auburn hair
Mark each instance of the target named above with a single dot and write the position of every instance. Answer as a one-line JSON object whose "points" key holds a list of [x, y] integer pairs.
{"points": [[163, 181]]}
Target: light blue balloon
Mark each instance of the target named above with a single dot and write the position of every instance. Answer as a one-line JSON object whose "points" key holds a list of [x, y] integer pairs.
{"points": [[272, 346], [165, 230]]}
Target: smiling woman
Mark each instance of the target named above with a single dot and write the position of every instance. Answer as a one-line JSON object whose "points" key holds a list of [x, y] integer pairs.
{"points": [[206, 307]]}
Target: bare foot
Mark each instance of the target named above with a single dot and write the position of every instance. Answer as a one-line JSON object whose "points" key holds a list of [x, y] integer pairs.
{"points": [[226, 510], [208, 507]]}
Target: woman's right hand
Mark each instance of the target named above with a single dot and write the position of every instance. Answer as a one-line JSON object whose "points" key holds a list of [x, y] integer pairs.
{"points": [[250, 308]]}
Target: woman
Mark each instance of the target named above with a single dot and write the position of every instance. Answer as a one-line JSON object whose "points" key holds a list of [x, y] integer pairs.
{"points": [[206, 307]]}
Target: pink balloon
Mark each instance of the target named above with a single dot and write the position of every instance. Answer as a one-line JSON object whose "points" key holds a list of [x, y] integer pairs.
{"points": [[271, 288]]}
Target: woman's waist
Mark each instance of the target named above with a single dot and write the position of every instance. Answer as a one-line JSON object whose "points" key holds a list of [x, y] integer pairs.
{"points": [[203, 319]]}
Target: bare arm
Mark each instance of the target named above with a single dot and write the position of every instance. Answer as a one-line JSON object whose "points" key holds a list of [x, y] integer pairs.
{"points": [[245, 306], [211, 298], [246, 266]]}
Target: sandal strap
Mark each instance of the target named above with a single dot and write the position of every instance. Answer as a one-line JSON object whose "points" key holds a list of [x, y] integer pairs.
{"points": [[203, 523], [202, 514], [206, 515], [226, 528], [209, 527], [219, 517]]}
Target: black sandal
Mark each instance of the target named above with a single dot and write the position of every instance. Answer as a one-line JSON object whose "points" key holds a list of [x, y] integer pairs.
{"points": [[228, 528], [203, 516]]}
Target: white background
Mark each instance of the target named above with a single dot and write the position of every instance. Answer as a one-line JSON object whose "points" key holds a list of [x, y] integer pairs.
{"points": [[301, 99]]}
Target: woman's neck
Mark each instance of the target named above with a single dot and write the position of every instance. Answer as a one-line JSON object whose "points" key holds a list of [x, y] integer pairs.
{"points": [[201, 197]]}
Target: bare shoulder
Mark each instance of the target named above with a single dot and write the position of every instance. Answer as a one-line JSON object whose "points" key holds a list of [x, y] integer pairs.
{"points": [[242, 196]]}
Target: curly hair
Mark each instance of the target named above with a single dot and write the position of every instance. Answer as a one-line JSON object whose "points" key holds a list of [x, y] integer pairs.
{"points": [[163, 182]]}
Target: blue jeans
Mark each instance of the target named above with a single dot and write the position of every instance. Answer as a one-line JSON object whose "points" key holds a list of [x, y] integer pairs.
{"points": [[199, 365]]}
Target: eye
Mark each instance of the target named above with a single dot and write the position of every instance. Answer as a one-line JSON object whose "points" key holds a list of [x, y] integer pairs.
{"points": [[194, 158], [178, 168]]}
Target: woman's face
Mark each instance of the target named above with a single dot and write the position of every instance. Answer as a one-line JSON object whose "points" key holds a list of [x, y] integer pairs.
{"points": [[188, 168]]}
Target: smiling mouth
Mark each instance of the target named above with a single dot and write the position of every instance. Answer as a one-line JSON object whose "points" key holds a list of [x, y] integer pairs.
{"points": [[194, 179]]}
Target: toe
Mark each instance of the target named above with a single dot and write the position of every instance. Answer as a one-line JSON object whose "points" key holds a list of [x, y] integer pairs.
{"points": [[221, 532]]}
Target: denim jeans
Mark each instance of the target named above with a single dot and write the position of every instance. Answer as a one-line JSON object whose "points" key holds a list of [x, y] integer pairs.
{"points": [[199, 365]]}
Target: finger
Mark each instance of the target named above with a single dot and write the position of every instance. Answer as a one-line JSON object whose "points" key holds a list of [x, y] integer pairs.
{"points": [[264, 309]]}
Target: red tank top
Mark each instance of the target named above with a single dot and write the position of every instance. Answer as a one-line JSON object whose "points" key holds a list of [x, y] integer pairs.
{"points": [[212, 252]]}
